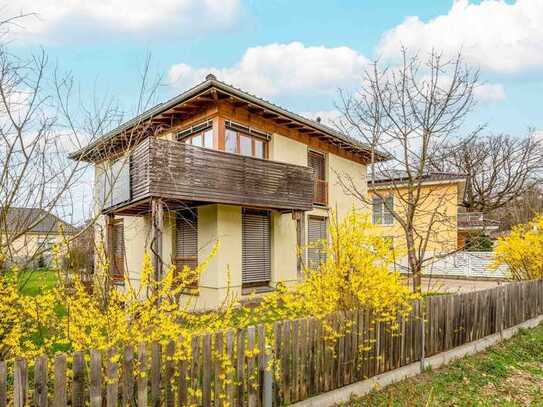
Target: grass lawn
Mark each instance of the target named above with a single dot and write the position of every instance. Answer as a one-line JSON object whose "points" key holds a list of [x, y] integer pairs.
{"points": [[33, 282], [508, 374]]}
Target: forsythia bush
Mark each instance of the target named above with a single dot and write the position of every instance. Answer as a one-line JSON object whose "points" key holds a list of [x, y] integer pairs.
{"points": [[355, 274], [522, 250]]}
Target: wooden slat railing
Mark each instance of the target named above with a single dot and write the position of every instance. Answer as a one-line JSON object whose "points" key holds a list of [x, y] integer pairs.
{"points": [[178, 171], [231, 366]]}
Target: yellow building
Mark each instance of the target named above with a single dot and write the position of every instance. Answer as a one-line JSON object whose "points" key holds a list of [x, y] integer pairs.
{"points": [[218, 164], [439, 221], [32, 233]]}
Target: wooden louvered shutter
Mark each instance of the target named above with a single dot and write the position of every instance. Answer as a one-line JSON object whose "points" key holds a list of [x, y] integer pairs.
{"points": [[256, 256], [186, 242], [317, 163], [118, 249], [316, 233]]}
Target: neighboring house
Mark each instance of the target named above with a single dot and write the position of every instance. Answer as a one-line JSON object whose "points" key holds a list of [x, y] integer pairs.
{"points": [[441, 194], [217, 163], [32, 233]]}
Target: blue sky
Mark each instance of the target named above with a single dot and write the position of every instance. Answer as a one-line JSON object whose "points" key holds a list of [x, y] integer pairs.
{"points": [[296, 53]]}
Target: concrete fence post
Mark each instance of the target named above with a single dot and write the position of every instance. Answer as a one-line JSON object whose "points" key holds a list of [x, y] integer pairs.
{"points": [[423, 333], [267, 385]]}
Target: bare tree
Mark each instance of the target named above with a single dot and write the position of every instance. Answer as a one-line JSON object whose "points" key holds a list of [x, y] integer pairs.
{"points": [[520, 209], [499, 169], [408, 114]]}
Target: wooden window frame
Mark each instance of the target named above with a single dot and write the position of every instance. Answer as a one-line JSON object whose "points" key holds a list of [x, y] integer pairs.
{"points": [[249, 132], [200, 129]]}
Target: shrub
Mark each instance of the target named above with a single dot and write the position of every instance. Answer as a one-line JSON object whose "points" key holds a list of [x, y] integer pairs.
{"points": [[522, 250]]}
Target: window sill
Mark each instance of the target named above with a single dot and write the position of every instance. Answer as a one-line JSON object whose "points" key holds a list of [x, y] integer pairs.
{"points": [[257, 290]]}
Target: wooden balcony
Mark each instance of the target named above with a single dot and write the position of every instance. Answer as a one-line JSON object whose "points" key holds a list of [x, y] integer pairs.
{"points": [[180, 173]]}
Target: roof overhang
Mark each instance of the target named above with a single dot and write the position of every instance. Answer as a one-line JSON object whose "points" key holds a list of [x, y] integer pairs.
{"points": [[209, 92]]}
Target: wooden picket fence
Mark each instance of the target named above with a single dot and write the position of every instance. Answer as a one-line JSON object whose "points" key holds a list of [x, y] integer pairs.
{"points": [[252, 367]]}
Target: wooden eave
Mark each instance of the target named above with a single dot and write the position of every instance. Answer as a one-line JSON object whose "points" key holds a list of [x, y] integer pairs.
{"points": [[164, 115]]}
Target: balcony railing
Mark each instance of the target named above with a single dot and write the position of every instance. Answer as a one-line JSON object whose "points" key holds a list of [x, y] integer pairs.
{"points": [[320, 192], [180, 172], [475, 220]]}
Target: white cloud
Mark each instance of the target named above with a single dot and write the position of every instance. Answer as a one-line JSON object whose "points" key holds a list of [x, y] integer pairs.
{"points": [[281, 68], [489, 92], [59, 19], [494, 34]]}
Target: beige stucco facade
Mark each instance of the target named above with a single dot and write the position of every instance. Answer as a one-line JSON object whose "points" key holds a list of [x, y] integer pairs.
{"points": [[223, 224]]}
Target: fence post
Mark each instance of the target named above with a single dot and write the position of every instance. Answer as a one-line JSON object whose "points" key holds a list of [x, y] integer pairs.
{"points": [[423, 333], [267, 385]]}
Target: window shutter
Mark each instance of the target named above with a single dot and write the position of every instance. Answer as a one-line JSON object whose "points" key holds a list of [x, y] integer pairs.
{"points": [[316, 161], [186, 241], [256, 247], [118, 249], [316, 232]]}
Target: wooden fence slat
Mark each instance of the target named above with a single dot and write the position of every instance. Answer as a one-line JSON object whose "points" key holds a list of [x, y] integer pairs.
{"points": [[182, 388], [218, 385], [252, 375], [128, 377], [207, 369], [169, 373], [78, 380], [112, 387], [3, 384], [20, 383], [261, 361], [229, 354], [95, 389], [40, 382], [195, 388], [142, 380], [59, 396], [240, 366], [155, 373]]}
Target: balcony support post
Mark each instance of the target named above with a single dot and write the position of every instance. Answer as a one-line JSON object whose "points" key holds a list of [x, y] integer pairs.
{"points": [[157, 226], [299, 217]]}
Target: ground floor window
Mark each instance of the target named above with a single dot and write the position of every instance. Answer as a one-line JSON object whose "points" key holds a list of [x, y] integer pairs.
{"points": [[256, 248], [186, 242], [316, 236]]}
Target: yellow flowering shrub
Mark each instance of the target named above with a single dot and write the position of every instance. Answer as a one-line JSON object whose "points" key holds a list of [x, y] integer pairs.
{"points": [[354, 275], [522, 250]]}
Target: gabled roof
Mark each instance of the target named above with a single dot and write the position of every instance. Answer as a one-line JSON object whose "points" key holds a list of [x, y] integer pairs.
{"points": [[398, 177], [214, 88], [36, 220]]}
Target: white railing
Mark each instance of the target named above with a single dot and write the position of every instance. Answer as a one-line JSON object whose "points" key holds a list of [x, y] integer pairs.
{"points": [[468, 265]]}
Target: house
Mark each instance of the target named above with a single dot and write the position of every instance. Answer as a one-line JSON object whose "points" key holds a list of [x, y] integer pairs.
{"points": [[441, 195], [219, 164], [31, 233]]}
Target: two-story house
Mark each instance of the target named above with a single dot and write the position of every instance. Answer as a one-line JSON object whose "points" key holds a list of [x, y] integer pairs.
{"points": [[219, 164]]}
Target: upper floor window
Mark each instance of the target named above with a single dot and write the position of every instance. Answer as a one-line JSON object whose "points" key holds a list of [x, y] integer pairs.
{"points": [[381, 210], [245, 141], [200, 135]]}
